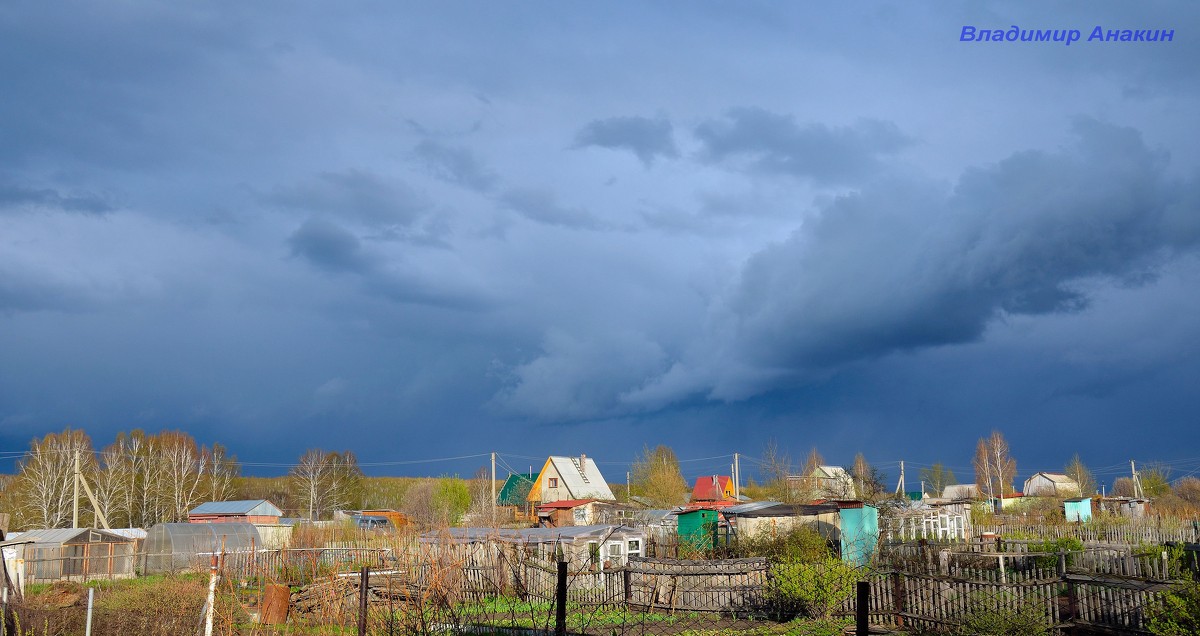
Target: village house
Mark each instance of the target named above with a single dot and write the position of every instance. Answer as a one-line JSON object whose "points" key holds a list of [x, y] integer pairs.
{"points": [[713, 488], [1051, 485], [825, 482], [563, 478]]}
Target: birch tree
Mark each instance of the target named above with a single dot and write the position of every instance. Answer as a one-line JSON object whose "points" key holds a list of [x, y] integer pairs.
{"points": [[994, 466], [45, 478], [326, 481]]}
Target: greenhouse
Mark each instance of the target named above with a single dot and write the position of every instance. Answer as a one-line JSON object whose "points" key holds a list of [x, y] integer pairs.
{"points": [[175, 547]]}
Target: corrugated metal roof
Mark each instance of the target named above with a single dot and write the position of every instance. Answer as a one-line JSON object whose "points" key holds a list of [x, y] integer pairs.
{"points": [[257, 507], [68, 535], [530, 535]]}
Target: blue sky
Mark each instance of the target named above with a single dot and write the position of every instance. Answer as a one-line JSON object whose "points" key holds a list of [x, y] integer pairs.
{"points": [[432, 230]]}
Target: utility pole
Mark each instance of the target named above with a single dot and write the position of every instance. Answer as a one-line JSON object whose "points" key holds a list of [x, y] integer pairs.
{"points": [[493, 489], [628, 484], [737, 477], [75, 495], [900, 484], [1137, 480]]}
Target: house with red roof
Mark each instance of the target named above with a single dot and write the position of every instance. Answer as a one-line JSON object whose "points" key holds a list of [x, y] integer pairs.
{"points": [[713, 488]]}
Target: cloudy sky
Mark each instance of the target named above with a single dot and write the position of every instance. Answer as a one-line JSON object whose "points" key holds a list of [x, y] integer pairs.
{"points": [[432, 230]]}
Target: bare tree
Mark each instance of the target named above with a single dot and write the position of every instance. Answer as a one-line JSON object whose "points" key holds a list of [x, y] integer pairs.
{"points": [[327, 481], [45, 478], [994, 467], [937, 477], [777, 471], [867, 482], [1082, 476]]}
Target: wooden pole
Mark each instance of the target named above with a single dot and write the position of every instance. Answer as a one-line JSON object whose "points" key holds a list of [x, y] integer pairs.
{"points": [[363, 589], [560, 601], [494, 489], [862, 611]]}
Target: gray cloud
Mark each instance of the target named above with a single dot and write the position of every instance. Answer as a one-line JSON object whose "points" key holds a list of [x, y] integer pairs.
{"points": [[455, 165], [335, 249], [15, 196], [775, 144], [902, 266], [647, 138], [355, 195], [329, 247], [542, 206]]}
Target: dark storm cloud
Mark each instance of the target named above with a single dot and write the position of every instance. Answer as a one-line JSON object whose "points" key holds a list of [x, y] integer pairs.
{"points": [[775, 144], [335, 249], [902, 266], [329, 247], [455, 165], [543, 207], [356, 195], [13, 196], [647, 138]]}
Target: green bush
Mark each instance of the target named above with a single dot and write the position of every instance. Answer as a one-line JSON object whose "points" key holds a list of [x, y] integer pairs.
{"points": [[1004, 615], [1179, 612], [1070, 545], [815, 589]]}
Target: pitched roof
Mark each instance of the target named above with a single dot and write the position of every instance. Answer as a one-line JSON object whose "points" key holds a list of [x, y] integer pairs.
{"points": [[834, 472], [580, 476], [710, 488], [256, 507], [515, 490]]}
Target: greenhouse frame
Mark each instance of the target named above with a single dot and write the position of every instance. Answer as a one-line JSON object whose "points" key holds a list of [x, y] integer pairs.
{"points": [[177, 547]]}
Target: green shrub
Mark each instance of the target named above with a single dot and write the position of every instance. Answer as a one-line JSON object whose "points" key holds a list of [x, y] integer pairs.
{"points": [[1179, 612], [1004, 615], [1070, 545], [815, 589]]}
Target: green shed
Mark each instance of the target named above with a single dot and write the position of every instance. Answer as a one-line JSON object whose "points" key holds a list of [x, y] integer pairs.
{"points": [[698, 529], [860, 533], [1078, 509]]}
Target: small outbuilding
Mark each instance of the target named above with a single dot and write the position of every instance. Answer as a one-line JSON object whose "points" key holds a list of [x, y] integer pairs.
{"points": [[1078, 509], [257, 511], [570, 512], [599, 545], [73, 554]]}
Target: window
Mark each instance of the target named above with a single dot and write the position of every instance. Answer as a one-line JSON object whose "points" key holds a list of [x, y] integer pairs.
{"points": [[593, 552], [554, 482], [635, 546]]}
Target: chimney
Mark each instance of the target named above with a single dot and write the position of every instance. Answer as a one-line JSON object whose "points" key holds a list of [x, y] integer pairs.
{"points": [[582, 460]]}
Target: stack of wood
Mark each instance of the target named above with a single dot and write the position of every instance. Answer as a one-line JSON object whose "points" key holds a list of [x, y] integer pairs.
{"points": [[336, 599]]}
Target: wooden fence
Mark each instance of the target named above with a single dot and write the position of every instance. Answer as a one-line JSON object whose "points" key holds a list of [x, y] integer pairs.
{"points": [[1133, 533]]}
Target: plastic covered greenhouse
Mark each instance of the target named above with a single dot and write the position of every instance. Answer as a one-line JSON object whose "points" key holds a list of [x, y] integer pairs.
{"points": [[175, 547]]}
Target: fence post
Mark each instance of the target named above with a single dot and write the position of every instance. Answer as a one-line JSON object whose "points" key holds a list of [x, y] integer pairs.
{"points": [[87, 630], [560, 601], [628, 576], [862, 612], [363, 589], [898, 597]]}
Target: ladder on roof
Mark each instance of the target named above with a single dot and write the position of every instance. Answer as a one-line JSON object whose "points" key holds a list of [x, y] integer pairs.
{"points": [[579, 467]]}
